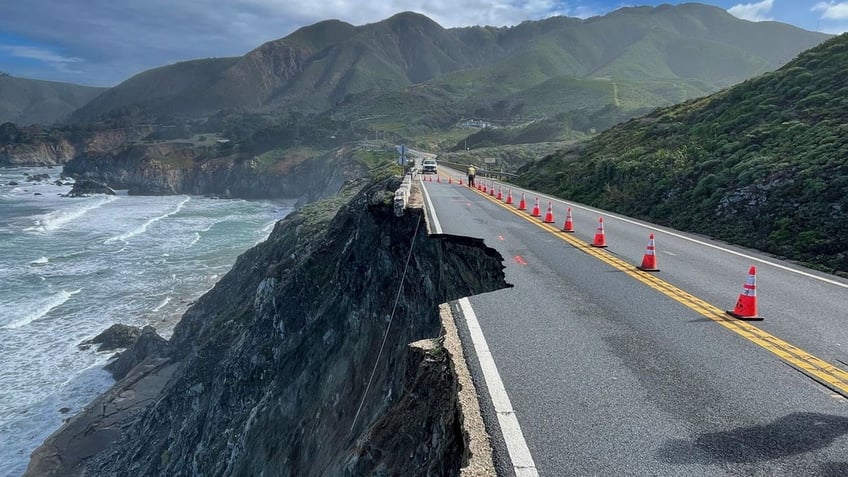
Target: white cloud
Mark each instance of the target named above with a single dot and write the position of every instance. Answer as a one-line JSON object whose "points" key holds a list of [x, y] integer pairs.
{"points": [[40, 54], [833, 18], [448, 13], [584, 12], [755, 12], [832, 10]]}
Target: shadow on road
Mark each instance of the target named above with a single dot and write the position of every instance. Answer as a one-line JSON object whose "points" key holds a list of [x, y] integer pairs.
{"points": [[794, 434]]}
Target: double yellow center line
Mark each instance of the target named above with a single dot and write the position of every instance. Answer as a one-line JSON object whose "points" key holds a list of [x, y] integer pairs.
{"points": [[818, 369]]}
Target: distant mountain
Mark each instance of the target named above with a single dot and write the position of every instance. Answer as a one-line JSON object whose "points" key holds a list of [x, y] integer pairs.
{"points": [[763, 164], [633, 58], [184, 86], [312, 69], [28, 101]]}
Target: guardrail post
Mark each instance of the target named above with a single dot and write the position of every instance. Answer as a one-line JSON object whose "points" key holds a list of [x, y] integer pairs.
{"points": [[402, 195]]}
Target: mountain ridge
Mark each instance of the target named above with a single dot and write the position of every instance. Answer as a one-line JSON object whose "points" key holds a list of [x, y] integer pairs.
{"points": [[320, 65], [27, 101]]}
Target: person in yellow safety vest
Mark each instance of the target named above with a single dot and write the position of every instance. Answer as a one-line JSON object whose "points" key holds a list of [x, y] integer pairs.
{"points": [[471, 173]]}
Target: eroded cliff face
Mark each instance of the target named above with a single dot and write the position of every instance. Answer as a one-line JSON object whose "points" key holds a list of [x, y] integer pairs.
{"points": [[61, 149], [268, 372], [41, 154], [178, 168]]}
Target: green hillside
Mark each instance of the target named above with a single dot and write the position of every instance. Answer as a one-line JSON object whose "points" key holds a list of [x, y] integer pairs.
{"points": [[590, 74], [763, 164], [166, 90], [632, 59], [28, 101]]}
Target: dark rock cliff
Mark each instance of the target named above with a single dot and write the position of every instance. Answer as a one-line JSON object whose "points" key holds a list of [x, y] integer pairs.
{"points": [[268, 373]]}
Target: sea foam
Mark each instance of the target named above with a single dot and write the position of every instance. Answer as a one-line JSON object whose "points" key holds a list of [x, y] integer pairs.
{"points": [[58, 218], [143, 227], [40, 310], [40, 261]]}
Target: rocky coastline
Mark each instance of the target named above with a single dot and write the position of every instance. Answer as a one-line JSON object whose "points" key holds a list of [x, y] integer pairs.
{"points": [[268, 373], [37, 155], [22, 148], [175, 168]]}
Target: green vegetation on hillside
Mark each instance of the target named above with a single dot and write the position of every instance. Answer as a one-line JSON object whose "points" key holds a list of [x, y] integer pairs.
{"points": [[410, 76], [546, 130], [763, 164], [28, 101], [501, 158]]}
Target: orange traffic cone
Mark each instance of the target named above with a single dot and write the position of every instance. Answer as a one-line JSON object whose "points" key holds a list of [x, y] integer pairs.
{"points": [[450, 179], [536, 212], [500, 192], [649, 260], [568, 226], [460, 181], [600, 237], [746, 305], [438, 178], [492, 189], [549, 215], [509, 196], [522, 204]]}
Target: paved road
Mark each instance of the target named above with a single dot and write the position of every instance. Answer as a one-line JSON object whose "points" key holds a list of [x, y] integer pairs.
{"points": [[610, 371]]}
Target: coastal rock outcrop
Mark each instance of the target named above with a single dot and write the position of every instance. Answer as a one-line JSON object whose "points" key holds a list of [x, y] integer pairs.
{"points": [[298, 362], [137, 344], [116, 336], [147, 343], [87, 187]]}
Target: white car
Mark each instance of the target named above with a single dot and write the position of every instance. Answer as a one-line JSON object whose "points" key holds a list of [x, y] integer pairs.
{"points": [[429, 166]]}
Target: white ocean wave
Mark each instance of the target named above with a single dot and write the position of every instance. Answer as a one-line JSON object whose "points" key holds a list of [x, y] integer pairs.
{"points": [[55, 220], [143, 227], [135, 285], [194, 240], [40, 310], [40, 261], [265, 232], [162, 303], [212, 224]]}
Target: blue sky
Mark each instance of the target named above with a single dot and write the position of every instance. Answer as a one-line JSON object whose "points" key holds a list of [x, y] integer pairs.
{"points": [[103, 42]]}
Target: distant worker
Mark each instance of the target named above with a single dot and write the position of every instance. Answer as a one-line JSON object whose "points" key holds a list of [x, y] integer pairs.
{"points": [[471, 173]]}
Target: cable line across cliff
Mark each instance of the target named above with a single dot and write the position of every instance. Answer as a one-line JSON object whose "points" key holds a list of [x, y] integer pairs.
{"points": [[388, 325]]}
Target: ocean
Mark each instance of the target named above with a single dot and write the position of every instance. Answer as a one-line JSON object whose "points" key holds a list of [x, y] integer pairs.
{"points": [[71, 267]]}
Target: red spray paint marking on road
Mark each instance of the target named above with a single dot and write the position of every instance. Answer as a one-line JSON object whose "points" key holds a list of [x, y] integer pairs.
{"points": [[500, 237], [520, 260]]}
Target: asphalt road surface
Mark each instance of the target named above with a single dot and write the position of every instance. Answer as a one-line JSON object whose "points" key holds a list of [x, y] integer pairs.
{"points": [[608, 370]]}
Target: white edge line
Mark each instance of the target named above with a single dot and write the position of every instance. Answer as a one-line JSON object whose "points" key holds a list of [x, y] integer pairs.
{"points": [[437, 227], [516, 446]]}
